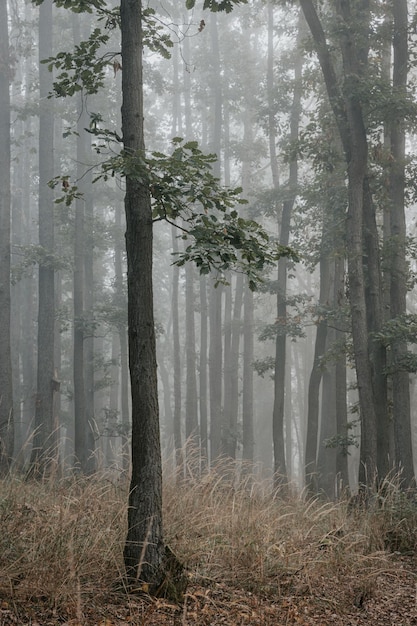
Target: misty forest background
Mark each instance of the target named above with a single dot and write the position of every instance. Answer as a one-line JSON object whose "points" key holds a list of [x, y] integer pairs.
{"points": [[266, 375]]}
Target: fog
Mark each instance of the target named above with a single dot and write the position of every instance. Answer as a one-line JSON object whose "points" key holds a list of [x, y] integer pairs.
{"points": [[258, 371]]}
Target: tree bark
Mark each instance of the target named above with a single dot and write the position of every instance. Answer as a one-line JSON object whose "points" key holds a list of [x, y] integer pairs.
{"points": [[177, 360], [311, 477], [280, 469], [203, 370], [45, 439], [6, 386], [191, 400], [215, 294], [347, 108], [144, 552], [398, 265]]}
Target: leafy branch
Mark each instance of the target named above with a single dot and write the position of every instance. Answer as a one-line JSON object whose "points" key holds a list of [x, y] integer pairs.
{"points": [[184, 192]]}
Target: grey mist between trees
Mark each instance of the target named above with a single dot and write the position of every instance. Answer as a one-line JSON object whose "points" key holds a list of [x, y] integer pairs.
{"points": [[207, 239]]}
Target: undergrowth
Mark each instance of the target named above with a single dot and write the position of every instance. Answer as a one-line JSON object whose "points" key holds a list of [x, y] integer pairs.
{"points": [[62, 541]]}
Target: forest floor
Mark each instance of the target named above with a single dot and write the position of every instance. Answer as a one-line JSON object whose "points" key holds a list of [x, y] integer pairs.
{"points": [[252, 558]]}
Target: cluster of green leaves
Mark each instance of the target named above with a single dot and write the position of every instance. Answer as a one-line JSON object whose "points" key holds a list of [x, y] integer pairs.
{"points": [[230, 242], [215, 5], [80, 68], [155, 36], [185, 192], [344, 440], [400, 329], [77, 6], [292, 325], [263, 366]]}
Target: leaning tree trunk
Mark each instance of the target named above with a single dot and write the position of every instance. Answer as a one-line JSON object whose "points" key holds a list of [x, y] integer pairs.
{"points": [[349, 116]]}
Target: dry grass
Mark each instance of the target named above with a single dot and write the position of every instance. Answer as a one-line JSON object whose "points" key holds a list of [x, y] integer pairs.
{"points": [[61, 549]]}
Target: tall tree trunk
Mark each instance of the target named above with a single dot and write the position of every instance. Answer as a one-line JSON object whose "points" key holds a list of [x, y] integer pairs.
{"points": [[215, 306], [144, 552], [326, 456], [341, 384], [248, 440], [112, 413], [89, 352], [215, 370], [231, 399], [348, 112], [122, 330], [6, 386], [177, 359], [280, 470], [191, 399], [316, 375], [203, 370], [399, 270], [44, 451]]}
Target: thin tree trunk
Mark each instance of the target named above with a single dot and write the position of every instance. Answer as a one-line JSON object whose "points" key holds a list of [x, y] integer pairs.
{"points": [[191, 400], [215, 371], [215, 294], [44, 451], [6, 385], [89, 347], [248, 440], [341, 384], [122, 330], [398, 266], [203, 370], [177, 359], [280, 469], [316, 375]]}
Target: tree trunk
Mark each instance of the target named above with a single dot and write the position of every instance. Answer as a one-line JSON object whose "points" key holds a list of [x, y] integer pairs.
{"points": [[6, 386], [280, 469], [348, 112], [341, 384], [215, 371], [122, 330], [191, 400], [89, 347], [44, 451], [326, 456], [144, 552], [215, 294], [398, 266], [248, 442], [231, 400], [177, 359], [316, 375], [203, 370]]}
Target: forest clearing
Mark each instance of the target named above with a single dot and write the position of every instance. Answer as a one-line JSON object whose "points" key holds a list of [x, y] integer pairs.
{"points": [[250, 558]]}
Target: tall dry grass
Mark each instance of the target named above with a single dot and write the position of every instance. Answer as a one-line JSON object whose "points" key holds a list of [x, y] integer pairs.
{"points": [[62, 541]]}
